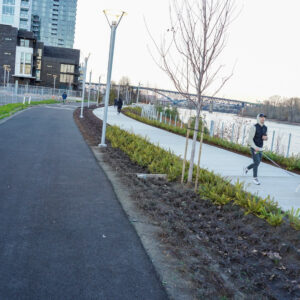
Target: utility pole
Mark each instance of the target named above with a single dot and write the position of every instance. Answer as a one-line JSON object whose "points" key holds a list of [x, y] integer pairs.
{"points": [[113, 26], [98, 92], [8, 70], [89, 96], [54, 81], [138, 93], [5, 69], [83, 84]]}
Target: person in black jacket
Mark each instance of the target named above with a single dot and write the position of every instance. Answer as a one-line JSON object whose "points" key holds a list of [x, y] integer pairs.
{"points": [[256, 138], [120, 104], [64, 97]]}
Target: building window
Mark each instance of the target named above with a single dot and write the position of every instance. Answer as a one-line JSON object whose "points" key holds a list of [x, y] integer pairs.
{"points": [[39, 52], [25, 63], [10, 2], [23, 24], [8, 39], [7, 53], [49, 66], [66, 78], [67, 68], [25, 3], [38, 64], [8, 11], [24, 43], [38, 74]]}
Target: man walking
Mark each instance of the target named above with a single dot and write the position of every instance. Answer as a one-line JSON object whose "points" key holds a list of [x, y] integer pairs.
{"points": [[256, 138], [120, 104], [64, 97]]}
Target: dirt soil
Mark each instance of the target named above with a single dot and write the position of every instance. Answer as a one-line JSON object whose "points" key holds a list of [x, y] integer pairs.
{"points": [[223, 252]]}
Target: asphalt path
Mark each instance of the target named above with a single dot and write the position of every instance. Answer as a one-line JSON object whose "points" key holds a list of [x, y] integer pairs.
{"points": [[63, 233]]}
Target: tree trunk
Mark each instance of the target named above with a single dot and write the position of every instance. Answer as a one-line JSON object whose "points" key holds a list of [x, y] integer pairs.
{"points": [[192, 159]]}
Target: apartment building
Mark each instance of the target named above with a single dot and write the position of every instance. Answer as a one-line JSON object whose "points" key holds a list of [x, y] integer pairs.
{"points": [[16, 13], [53, 22], [31, 62]]}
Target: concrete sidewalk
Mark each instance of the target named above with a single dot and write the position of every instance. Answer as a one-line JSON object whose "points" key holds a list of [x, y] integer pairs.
{"points": [[63, 232], [274, 181]]}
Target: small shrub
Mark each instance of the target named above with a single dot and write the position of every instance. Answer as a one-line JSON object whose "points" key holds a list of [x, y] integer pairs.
{"points": [[211, 186]]}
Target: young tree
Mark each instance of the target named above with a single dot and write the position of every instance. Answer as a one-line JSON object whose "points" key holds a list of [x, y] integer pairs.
{"points": [[124, 81], [190, 50]]}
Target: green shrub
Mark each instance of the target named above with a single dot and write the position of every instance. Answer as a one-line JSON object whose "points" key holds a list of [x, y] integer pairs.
{"points": [[211, 186], [291, 163]]}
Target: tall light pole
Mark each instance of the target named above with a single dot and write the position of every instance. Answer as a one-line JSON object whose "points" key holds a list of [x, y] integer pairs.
{"points": [[5, 69], [116, 19], [138, 93], [54, 81], [98, 92], [8, 70], [83, 84], [89, 95]]}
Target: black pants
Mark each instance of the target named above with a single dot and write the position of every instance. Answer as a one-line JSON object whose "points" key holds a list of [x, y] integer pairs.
{"points": [[257, 156], [119, 109]]}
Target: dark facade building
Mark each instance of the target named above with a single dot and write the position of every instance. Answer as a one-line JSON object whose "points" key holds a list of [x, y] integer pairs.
{"points": [[31, 62], [60, 62], [8, 42]]}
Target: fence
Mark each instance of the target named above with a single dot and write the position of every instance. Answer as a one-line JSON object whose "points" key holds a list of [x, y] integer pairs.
{"points": [[16, 93], [234, 132]]}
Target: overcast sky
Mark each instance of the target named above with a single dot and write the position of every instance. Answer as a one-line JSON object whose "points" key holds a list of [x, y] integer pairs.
{"points": [[263, 45]]}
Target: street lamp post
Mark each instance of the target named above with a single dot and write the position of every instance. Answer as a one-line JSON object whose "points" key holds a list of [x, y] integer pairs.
{"points": [[54, 81], [83, 84], [8, 70], [98, 92], [117, 17], [5, 70], [119, 92], [138, 93], [89, 95]]}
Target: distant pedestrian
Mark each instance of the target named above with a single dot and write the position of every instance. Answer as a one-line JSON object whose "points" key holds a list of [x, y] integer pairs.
{"points": [[256, 138], [115, 102], [64, 97], [120, 104]]}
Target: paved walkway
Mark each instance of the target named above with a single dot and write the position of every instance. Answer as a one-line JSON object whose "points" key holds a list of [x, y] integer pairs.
{"points": [[63, 233], [274, 182]]}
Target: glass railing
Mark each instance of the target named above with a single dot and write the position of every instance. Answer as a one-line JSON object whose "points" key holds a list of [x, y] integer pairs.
{"points": [[24, 3]]}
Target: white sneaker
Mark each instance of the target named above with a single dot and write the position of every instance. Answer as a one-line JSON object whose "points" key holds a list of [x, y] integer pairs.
{"points": [[245, 170], [255, 181]]}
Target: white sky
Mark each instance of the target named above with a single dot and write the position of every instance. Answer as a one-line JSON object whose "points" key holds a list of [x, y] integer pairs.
{"points": [[263, 42]]}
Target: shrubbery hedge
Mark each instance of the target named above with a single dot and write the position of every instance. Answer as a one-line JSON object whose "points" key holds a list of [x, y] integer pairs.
{"points": [[211, 186], [290, 163]]}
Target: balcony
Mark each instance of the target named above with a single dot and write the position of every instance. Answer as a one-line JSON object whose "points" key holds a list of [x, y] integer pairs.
{"points": [[25, 4], [24, 16]]}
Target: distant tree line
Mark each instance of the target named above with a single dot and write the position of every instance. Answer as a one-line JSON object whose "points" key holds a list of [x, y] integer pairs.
{"points": [[278, 108]]}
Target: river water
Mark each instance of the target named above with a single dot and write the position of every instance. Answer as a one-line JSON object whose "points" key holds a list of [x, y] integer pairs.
{"points": [[241, 125]]}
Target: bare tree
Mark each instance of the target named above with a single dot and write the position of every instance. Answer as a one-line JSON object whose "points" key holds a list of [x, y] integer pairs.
{"points": [[190, 51], [124, 81]]}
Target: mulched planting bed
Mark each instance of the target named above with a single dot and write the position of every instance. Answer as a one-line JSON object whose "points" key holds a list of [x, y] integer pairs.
{"points": [[223, 252]]}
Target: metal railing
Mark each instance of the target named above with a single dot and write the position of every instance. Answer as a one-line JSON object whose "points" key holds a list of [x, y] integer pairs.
{"points": [[13, 93]]}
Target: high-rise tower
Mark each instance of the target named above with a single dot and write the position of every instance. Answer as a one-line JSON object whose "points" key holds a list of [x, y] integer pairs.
{"points": [[16, 13], [53, 21]]}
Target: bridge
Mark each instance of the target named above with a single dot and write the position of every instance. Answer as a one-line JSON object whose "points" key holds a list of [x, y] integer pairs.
{"points": [[131, 93]]}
